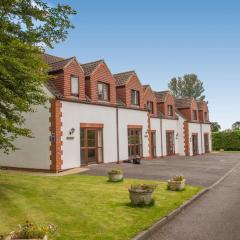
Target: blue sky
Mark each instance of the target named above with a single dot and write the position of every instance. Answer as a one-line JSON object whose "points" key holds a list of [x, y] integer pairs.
{"points": [[160, 39]]}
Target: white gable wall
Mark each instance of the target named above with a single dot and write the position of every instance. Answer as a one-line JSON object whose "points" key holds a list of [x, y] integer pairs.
{"points": [[33, 153]]}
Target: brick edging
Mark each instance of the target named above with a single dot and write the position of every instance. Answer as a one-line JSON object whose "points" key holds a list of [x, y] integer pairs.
{"points": [[56, 133]]}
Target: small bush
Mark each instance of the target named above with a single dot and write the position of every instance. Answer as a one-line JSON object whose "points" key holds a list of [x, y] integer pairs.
{"points": [[178, 178], [227, 140], [115, 171], [30, 230]]}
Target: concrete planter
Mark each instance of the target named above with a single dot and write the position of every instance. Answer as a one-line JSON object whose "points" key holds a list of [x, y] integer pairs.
{"points": [[141, 197], [10, 238], [115, 177], [176, 185]]}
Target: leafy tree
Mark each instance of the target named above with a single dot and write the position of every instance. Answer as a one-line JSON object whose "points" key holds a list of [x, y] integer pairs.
{"points": [[187, 86], [215, 127], [26, 27], [236, 126]]}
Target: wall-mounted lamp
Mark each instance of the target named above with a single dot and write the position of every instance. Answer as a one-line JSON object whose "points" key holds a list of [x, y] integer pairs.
{"points": [[177, 136], [190, 139], [71, 131]]}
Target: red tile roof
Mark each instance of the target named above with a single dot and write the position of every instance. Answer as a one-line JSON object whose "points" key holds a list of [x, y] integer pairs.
{"points": [[161, 96], [122, 78], [184, 102], [88, 68], [47, 58]]}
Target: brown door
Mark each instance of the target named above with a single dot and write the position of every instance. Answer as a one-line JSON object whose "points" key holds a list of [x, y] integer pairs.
{"points": [[170, 143], [134, 142], [195, 143], [91, 145], [153, 144], [206, 142]]}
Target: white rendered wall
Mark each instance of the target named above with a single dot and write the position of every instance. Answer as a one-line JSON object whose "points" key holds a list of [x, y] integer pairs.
{"points": [[131, 117], [155, 125], [206, 128], [168, 124], [75, 113], [195, 128], [33, 152]]}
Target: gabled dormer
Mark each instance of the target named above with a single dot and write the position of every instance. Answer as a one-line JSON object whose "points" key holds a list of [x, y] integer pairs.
{"points": [[166, 104], [67, 76], [129, 89], [150, 100], [189, 108], [100, 83], [203, 112]]}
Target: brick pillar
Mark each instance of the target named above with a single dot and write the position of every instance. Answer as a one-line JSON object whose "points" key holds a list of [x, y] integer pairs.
{"points": [[56, 133], [186, 138]]}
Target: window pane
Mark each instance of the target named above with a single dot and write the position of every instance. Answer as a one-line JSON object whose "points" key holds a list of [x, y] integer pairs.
{"points": [[100, 154], [83, 162], [100, 91], [81, 137], [100, 138], [74, 85]]}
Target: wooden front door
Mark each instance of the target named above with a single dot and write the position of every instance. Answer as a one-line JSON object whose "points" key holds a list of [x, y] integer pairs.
{"points": [[134, 142], [195, 143], [206, 142], [170, 143], [91, 145], [153, 144]]}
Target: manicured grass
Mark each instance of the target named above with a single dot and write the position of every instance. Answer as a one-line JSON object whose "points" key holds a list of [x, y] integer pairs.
{"points": [[81, 206]]}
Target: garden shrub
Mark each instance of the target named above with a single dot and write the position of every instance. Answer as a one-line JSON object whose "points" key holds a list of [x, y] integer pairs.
{"points": [[227, 140]]}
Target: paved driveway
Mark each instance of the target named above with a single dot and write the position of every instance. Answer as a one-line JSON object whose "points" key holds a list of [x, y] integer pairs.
{"points": [[201, 170]]}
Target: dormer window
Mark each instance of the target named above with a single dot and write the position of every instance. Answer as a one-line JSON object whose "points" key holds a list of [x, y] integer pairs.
{"points": [[194, 114], [74, 86], [103, 91], [150, 107], [170, 110], [135, 97]]}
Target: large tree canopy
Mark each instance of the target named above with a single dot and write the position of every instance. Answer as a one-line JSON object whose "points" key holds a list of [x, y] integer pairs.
{"points": [[236, 126], [187, 86], [26, 26], [215, 127]]}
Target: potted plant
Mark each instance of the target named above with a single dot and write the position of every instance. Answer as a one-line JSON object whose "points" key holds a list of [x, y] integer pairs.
{"points": [[115, 175], [31, 231], [137, 160], [177, 183], [141, 194]]}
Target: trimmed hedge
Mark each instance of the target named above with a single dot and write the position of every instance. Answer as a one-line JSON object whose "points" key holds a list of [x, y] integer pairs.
{"points": [[227, 140]]}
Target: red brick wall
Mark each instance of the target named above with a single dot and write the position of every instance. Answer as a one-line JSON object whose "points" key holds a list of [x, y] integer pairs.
{"points": [[169, 101], [74, 69], [149, 96], [194, 107], [134, 84], [186, 138], [55, 128], [102, 74], [121, 93]]}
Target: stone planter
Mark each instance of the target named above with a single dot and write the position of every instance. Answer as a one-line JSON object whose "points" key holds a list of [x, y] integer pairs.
{"points": [[9, 238], [115, 177], [141, 197], [176, 185]]}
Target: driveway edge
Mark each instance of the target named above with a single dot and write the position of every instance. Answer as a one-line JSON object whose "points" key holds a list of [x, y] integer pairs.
{"points": [[146, 234]]}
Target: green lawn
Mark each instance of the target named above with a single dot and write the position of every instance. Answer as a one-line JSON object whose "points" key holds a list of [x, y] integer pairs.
{"points": [[81, 206]]}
